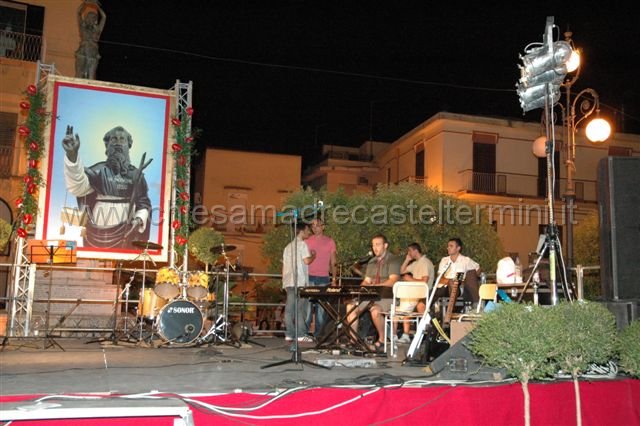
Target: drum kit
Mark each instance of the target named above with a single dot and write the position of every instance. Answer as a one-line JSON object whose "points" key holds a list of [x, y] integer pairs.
{"points": [[177, 306]]}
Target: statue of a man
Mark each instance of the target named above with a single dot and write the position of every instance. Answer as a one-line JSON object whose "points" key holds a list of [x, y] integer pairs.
{"points": [[91, 20]]}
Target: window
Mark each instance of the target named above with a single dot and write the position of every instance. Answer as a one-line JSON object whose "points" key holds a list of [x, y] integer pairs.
{"points": [[579, 189], [7, 140], [484, 167], [619, 151], [419, 161]]}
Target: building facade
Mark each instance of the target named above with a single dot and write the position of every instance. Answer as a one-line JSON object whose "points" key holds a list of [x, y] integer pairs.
{"points": [[240, 194], [489, 163]]}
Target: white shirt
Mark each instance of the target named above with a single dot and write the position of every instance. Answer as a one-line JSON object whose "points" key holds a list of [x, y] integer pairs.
{"points": [[302, 251], [422, 267], [462, 264]]}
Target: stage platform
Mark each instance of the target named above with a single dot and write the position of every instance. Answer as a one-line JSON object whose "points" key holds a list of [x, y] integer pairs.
{"points": [[28, 368], [131, 384]]}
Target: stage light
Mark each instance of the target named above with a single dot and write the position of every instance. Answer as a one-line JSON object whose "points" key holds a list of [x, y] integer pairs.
{"points": [[598, 130], [543, 70]]}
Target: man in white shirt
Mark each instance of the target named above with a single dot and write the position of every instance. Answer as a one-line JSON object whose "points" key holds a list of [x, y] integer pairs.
{"points": [[295, 272], [456, 263]]}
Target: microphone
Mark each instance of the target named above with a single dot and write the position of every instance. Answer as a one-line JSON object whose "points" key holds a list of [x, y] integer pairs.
{"points": [[365, 259]]}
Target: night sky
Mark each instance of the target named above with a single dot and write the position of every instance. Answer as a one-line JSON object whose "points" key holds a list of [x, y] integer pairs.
{"points": [[289, 76]]}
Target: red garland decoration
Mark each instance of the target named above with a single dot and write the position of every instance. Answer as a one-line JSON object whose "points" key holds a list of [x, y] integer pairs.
{"points": [[182, 151], [32, 133]]}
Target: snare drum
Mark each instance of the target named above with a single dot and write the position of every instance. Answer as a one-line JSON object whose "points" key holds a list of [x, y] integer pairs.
{"points": [[180, 322], [198, 288], [149, 304], [167, 283]]}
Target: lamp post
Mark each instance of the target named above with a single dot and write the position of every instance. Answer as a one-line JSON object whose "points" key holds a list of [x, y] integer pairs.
{"points": [[574, 112]]}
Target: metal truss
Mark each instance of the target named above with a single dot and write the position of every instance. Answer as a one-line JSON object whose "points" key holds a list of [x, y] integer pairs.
{"points": [[184, 96], [23, 273]]}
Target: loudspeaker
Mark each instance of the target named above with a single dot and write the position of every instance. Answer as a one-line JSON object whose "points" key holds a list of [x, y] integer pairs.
{"points": [[458, 363], [618, 201]]}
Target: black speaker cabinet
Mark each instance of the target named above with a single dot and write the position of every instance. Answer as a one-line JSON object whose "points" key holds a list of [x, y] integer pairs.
{"points": [[618, 202], [458, 363]]}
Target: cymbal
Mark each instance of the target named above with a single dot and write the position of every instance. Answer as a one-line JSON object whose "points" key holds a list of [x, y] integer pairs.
{"points": [[222, 247], [149, 245]]}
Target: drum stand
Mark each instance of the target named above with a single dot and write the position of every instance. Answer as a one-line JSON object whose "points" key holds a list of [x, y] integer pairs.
{"points": [[220, 327], [144, 256], [126, 337]]}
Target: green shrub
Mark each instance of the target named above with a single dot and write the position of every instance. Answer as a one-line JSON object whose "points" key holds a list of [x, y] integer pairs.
{"points": [[628, 348]]}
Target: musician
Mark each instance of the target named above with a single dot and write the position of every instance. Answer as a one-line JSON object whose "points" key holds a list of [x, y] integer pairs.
{"points": [[416, 267], [322, 271], [383, 270], [295, 270], [455, 263]]}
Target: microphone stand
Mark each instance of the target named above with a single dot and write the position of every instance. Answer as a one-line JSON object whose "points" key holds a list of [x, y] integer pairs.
{"points": [[296, 356]]}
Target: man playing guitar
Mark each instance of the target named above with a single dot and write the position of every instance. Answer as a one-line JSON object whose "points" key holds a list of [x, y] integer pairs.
{"points": [[458, 267]]}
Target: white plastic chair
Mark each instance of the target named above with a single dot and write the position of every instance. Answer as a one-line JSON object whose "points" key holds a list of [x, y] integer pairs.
{"points": [[403, 290]]}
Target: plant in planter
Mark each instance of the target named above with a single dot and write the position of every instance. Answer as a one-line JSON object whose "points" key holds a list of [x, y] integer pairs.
{"points": [[201, 241], [518, 337], [586, 335], [628, 348]]}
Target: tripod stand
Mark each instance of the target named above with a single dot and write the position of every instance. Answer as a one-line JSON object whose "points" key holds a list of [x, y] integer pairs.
{"points": [[113, 337], [240, 330], [219, 330], [551, 247], [296, 356], [145, 257], [48, 340]]}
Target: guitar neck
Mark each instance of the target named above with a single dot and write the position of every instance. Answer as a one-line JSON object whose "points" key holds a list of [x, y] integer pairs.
{"points": [[454, 286]]}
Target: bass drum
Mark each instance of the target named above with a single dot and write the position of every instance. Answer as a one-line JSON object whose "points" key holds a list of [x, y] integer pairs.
{"points": [[180, 322]]}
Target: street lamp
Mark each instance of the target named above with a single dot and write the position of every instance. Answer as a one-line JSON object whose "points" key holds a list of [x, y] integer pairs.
{"points": [[574, 112]]}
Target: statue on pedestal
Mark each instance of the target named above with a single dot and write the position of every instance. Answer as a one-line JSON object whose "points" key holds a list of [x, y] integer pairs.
{"points": [[91, 20]]}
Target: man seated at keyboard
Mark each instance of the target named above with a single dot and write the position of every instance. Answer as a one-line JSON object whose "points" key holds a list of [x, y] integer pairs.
{"points": [[382, 271]]}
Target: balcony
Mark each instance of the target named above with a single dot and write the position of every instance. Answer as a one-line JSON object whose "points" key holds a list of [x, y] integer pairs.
{"points": [[420, 180], [20, 46], [521, 185]]}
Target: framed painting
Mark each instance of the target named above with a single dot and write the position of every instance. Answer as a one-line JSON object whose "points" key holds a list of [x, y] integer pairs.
{"points": [[108, 169]]}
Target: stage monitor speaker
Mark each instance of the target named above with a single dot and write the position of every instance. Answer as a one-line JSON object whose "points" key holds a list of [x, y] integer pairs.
{"points": [[458, 363], [618, 201]]}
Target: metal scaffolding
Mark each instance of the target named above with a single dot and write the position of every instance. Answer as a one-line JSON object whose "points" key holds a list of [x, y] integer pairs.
{"points": [[23, 272]]}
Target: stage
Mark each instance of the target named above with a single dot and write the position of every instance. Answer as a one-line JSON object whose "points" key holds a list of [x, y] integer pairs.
{"points": [[131, 382]]}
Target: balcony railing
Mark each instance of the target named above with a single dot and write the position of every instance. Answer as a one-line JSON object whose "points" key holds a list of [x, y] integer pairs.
{"points": [[521, 185], [415, 179], [6, 156], [20, 46]]}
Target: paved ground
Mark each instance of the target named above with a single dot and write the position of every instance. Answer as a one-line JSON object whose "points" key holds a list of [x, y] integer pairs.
{"points": [[26, 367]]}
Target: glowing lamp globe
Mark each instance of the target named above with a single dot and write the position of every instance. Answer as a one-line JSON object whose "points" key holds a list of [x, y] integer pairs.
{"points": [[539, 147], [574, 61], [598, 130]]}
